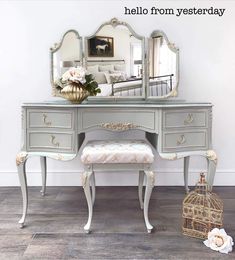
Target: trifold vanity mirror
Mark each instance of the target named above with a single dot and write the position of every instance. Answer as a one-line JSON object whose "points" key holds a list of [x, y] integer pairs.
{"points": [[124, 64]]}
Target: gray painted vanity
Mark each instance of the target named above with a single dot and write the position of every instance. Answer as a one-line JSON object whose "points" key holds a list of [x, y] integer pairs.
{"points": [[57, 130], [176, 129]]}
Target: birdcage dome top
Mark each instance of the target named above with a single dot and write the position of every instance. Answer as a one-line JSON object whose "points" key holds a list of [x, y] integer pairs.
{"points": [[207, 199]]}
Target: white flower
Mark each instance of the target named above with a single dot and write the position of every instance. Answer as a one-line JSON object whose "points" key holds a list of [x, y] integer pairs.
{"points": [[74, 75], [218, 240]]}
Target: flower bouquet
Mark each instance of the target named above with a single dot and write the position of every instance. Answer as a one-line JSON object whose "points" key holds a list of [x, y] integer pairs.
{"points": [[75, 85]]}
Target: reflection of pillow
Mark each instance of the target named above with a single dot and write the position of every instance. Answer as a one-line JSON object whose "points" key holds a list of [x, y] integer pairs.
{"points": [[123, 73], [106, 67], [114, 77], [100, 77], [120, 67], [92, 69]]}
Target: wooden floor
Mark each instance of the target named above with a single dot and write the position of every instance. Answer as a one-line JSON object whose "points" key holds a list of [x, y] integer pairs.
{"points": [[55, 225]]}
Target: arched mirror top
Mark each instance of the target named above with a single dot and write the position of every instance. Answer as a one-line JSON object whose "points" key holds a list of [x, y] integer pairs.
{"points": [[163, 70], [115, 56], [171, 45], [114, 22]]}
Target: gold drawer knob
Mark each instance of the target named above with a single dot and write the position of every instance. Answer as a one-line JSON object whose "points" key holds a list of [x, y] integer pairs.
{"points": [[189, 119], [53, 141], [181, 140], [47, 123]]}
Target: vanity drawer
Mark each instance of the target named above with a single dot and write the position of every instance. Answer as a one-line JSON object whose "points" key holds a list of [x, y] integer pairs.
{"points": [[184, 118], [50, 118], [118, 119], [193, 140], [51, 141]]}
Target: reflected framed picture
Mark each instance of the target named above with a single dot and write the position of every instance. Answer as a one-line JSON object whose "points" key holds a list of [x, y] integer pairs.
{"points": [[100, 46]]}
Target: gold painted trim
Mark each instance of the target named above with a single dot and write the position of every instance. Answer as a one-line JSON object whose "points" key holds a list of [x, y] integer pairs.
{"points": [[84, 179], [169, 156], [211, 155], [152, 177], [174, 93], [59, 157], [53, 141], [118, 126], [21, 158]]}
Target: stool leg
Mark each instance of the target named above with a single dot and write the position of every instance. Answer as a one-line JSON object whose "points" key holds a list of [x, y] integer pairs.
{"points": [[140, 188], [86, 186], [93, 187], [149, 186]]}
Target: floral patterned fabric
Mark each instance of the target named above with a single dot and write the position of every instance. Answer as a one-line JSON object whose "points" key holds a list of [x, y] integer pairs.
{"points": [[117, 151]]}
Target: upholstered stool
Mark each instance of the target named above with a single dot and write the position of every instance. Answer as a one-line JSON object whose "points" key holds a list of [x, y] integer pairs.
{"points": [[118, 155]]}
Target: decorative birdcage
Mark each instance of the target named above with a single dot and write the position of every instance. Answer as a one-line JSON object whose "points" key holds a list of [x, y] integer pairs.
{"points": [[202, 211]]}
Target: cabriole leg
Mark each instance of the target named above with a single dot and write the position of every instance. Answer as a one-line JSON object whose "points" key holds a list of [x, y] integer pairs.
{"points": [[186, 168], [44, 174], [86, 186], [149, 186], [140, 188], [20, 162]]}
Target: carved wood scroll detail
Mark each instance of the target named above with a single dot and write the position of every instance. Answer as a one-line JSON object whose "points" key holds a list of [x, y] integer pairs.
{"points": [[21, 158], [118, 126], [211, 155]]}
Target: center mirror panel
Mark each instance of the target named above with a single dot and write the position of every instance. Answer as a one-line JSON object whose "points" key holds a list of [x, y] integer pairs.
{"points": [[114, 55]]}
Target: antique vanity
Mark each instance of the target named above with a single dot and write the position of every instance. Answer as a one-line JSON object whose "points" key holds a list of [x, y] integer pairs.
{"points": [[138, 78]]}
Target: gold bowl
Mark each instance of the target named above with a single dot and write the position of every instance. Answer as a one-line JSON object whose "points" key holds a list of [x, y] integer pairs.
{"points": [[75, 93]]}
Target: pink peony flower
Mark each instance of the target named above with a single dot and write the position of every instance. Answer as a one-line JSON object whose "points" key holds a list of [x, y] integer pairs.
{"points": [[75, 75]]}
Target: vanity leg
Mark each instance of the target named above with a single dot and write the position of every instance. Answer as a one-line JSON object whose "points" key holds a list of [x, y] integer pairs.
{"points": [[93, 187], [140, 188], [86, 186], [211, 167], [149, 186], [186, 168], [44, 174], [20, 162]]}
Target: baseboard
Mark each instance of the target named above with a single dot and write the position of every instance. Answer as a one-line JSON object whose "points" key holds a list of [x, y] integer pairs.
{"points": [[164, 177]]}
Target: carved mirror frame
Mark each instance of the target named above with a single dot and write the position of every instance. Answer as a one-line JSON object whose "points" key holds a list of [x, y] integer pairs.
{"points": [[54, 49], [114, 22], [145, 63], [174, 49]]}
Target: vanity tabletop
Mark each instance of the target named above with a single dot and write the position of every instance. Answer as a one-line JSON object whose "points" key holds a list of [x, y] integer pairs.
{"points": [[119, 104]]}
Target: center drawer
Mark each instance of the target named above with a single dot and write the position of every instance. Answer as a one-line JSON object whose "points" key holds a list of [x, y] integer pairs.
{"points": [[50, 118], [184, 118], [51, 141], [118, 118]]}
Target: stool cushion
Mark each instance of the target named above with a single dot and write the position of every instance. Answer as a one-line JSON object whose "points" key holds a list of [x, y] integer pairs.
{"points": [[117, 151]]}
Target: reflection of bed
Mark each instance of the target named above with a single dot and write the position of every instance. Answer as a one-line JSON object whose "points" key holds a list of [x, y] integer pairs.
{"points": [[122, 88], [124, 85], [160, 85], [132, 87], [106, 90], [113, 78]]}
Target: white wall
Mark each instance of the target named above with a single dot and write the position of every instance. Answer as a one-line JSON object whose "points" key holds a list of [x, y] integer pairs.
{"points": [[207, 69]]}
